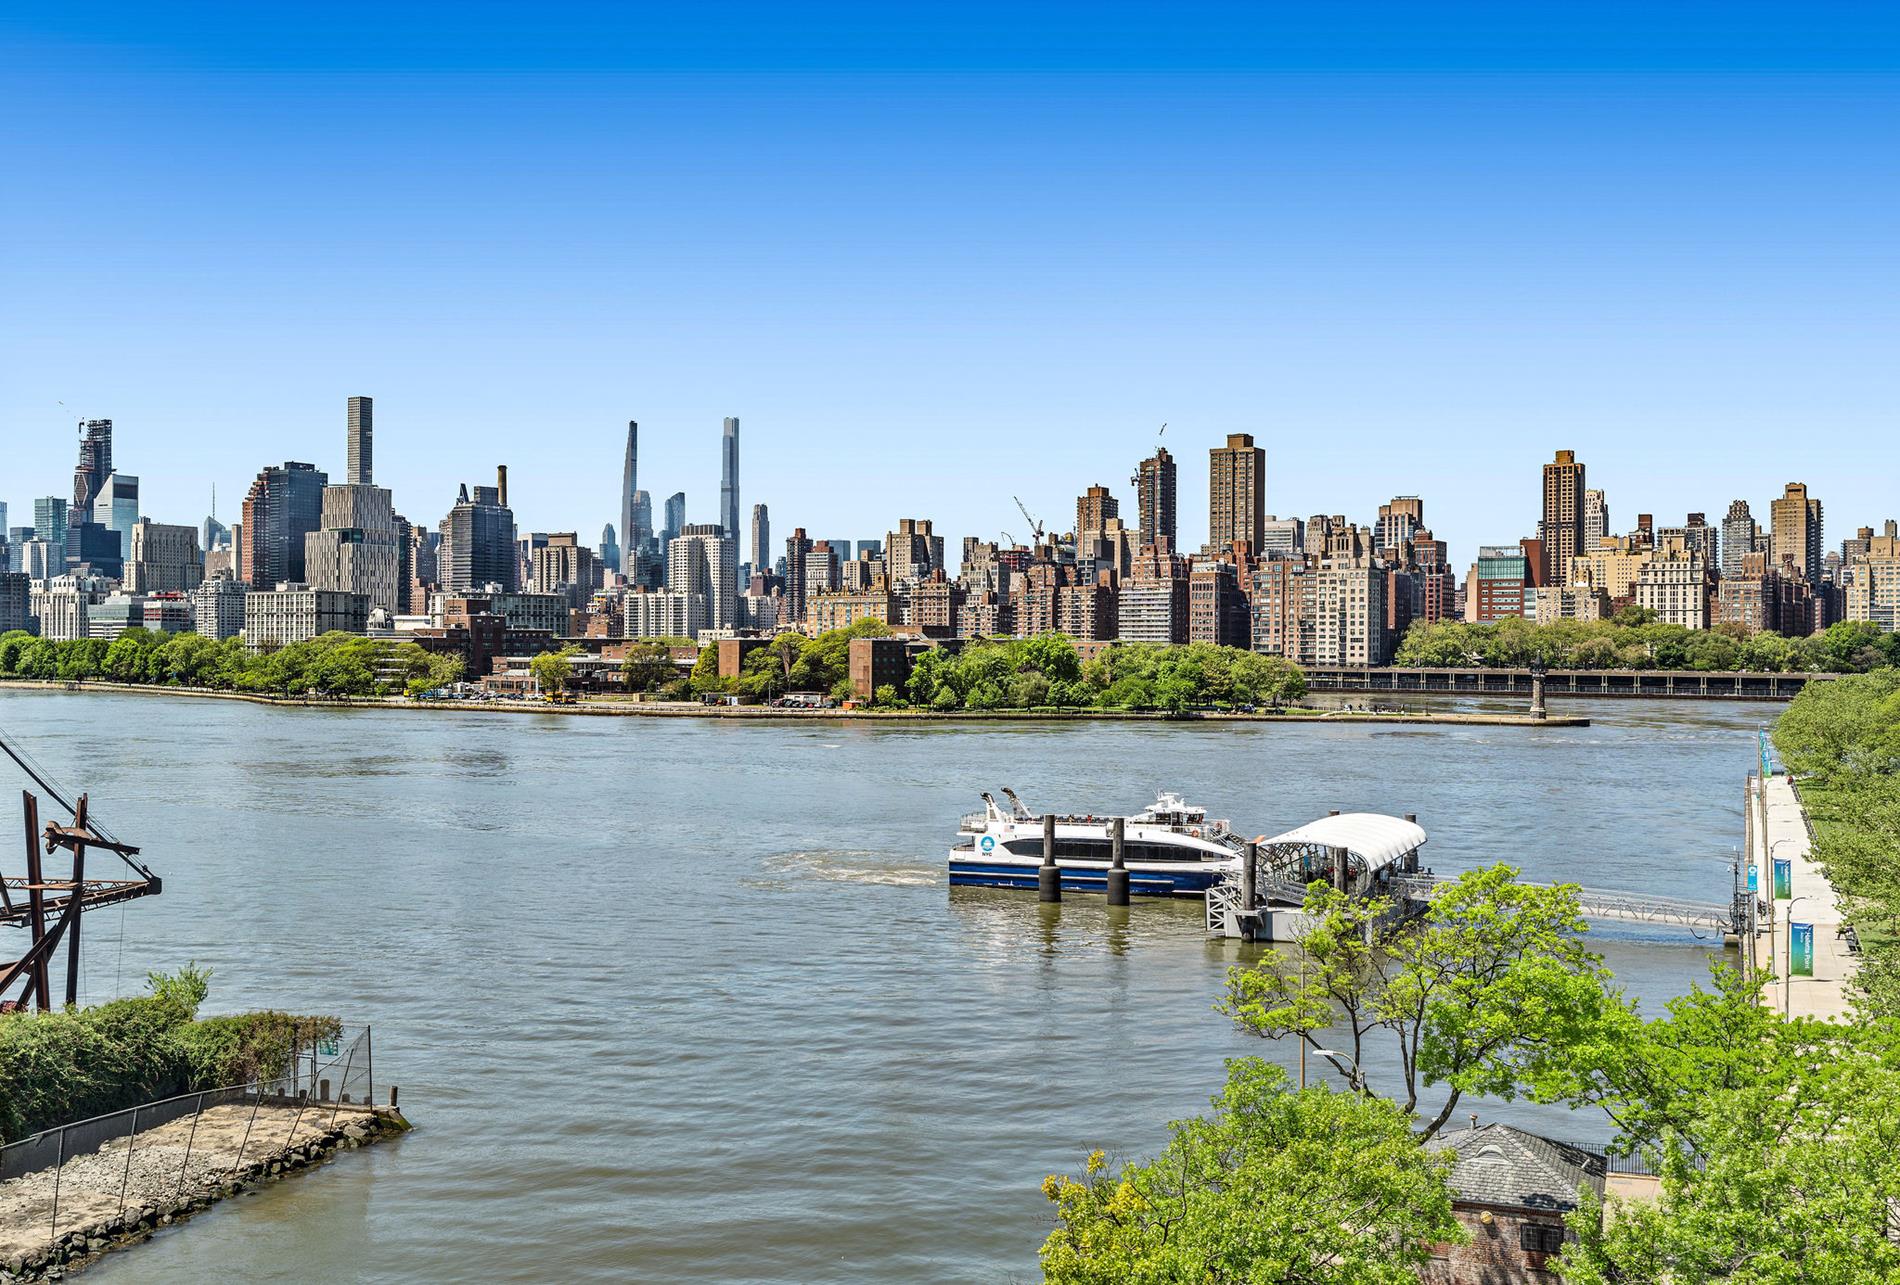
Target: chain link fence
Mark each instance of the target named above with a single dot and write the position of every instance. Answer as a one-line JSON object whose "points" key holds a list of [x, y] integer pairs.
{"points": [[165, 1152]]}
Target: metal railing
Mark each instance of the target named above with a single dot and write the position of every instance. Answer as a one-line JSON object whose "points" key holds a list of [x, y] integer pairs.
{"points": [[157, 1153]]}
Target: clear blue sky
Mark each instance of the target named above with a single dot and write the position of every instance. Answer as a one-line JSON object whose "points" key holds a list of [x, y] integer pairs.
{"points": [[980, 253]]}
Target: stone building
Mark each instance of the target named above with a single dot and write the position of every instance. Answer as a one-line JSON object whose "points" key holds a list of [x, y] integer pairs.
{"points": [[165, 558], [293, 613]]}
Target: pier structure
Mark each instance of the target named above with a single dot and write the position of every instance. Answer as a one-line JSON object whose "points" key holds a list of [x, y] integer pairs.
{"points": [[1359, 853]]}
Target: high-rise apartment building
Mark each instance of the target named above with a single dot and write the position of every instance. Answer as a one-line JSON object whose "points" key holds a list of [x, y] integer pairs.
{"points": [[1093, 510], [217, 608], [1561, 529], [822, 570], [285, 505], [729, 480], [1873, 593], [1349, 613], [360, 450], [1217, 606], [1154, 483], [478, 541], [1596, 518], [912, 552], [565, 566], [762, 539], [1796, 521], [1236, 493], [1675, 584], [164, 559], [702, 561], [1399, 520], [797, 597], [1740, 537]]}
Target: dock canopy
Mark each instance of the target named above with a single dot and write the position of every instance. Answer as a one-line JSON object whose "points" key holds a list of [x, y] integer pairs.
{"points": [[1375, 838]]}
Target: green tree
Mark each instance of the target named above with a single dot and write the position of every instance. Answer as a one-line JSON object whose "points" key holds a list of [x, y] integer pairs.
{"points": [[647, 666], [1277, 1185], [1488, 992], [1777, 1142], [554, 670]]}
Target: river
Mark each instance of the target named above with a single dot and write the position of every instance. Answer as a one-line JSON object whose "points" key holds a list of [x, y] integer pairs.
{"points": [[676, 999]]}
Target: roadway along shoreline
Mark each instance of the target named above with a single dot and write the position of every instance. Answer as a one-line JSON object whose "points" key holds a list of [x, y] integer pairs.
{"points": [[623, 708]]}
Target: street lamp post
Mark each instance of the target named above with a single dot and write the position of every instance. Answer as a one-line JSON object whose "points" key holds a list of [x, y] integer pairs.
{"points": [[1346, 1066], [1787, 981], [1770, 874]]}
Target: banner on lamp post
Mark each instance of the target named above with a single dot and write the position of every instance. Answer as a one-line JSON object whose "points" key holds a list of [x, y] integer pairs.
{"points": [[1754, 877], [1800, 950], [1784, 877]]}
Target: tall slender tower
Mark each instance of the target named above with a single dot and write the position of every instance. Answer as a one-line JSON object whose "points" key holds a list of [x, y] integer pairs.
{"points": [[1796, 519], [95, 462], [1561, 530], [362, 415], [1236, 493], [631, 536], [729, 478], [1154, 496], [761, 539]]}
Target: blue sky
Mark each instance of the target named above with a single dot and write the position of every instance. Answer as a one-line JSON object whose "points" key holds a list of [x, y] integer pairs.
{"points": [[972, 252]]}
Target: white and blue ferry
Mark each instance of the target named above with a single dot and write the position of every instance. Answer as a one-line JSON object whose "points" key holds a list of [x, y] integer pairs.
{"points": [[1170, 849]]}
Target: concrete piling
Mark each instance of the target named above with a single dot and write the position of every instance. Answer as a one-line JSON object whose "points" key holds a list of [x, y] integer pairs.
{"points": [[1117, 863], [1049, 877]]}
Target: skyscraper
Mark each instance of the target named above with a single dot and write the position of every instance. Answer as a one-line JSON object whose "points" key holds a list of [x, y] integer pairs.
{"points": [[49, 520], [1797, 526], [478, 541], [360, 547], [361, 443], [703, 561], [1596, 519], [116, 507], [285, 504], [631, 533], [729, 479], [761, 539], [1399, 520], [1236, 492], [675, 517], [609, 548], [1093, 509], [797, 545], [95, 461], [1561, 529], [1154, 496]]}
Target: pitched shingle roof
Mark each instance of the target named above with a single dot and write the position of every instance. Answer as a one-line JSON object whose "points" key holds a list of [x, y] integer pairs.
{"points": [[1499, 1165]]}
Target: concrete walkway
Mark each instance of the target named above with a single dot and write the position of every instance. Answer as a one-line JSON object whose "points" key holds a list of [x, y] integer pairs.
{"points": [[1812, 900]]}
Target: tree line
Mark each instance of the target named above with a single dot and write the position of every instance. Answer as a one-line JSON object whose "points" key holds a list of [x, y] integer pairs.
{"points": [[1634, 640], [1042, 673], [331, 665]]}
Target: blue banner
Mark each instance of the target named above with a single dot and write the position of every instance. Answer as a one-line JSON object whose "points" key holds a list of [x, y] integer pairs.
{"points": [[1754, 878], [1784, 877], [1800, 950]]}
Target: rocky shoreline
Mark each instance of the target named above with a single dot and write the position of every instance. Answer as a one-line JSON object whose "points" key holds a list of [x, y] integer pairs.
{"points": [[73, 1250]]}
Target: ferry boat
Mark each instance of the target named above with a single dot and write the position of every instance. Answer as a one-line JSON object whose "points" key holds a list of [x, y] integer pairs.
{"points": [[1170, 849]]}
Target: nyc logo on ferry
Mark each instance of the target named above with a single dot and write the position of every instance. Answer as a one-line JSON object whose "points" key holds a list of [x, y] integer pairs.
{"points": [[989, 843]]}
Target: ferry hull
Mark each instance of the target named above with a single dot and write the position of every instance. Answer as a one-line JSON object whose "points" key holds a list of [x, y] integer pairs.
{"points": [[1143, 881]]}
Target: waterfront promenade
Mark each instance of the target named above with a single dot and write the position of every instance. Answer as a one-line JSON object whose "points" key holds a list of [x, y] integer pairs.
{"points": [[1780, 832]]}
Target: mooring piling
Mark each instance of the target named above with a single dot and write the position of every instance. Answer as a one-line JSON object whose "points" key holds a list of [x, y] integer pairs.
{"points": [[1049, 877], [1117, 862]]}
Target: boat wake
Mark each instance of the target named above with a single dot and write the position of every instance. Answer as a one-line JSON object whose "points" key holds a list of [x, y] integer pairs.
{"points": [[843, 865]]}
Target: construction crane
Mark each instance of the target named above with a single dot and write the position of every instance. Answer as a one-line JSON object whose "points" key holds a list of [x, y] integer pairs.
{"points": [[1035, 527]]}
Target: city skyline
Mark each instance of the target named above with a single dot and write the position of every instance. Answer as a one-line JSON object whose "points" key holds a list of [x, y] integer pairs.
{"points": [[588, 242]]}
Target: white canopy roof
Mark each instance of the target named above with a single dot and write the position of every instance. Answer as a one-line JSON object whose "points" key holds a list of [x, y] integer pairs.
{"points": [[1376, 838]]}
